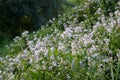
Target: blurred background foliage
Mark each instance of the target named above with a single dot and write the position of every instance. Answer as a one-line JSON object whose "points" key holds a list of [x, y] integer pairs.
{"points": [[17, 16]]}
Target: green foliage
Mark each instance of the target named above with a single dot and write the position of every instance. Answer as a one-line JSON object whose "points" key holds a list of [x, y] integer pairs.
{"points": [[115, 39], [108, 6], [17, 16]]}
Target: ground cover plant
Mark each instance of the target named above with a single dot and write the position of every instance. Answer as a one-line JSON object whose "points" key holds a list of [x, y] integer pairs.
{"points": [[81, 44]]}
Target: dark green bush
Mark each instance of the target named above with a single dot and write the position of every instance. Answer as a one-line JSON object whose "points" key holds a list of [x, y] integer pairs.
{"points": [[108, 6], [19, 15]]}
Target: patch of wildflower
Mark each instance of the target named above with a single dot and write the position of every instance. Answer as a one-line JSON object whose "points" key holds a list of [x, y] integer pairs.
{"points": [[71, 54]]}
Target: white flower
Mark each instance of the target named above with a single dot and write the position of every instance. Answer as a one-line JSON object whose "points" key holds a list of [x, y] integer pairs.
{"points": [[111, 14], [17, 59], [11, 76], [23, 56], [62, 35], [95, 27], [52, 57], [31, 45], [26, 51], [77, 29], [52, 48], [50, 68], [68, 76], [67, 33], [16, 38], [37, 66], [73, 46], [95, 55], [37, 46], [75, 19], [44, 67], [118, 21], [61, 46], [25, 34], [1, 77], [31, 60], [85, 30], [54, 64], [87, 39], [46, 53], [92, 49], [50, 21], [105, 60], [117, 13], [53, 19], [37, 52], [109, 30], [106, 40]]}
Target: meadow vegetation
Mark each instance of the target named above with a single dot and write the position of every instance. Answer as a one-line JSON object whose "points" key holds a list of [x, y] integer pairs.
{"points": [[83, 43]]}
